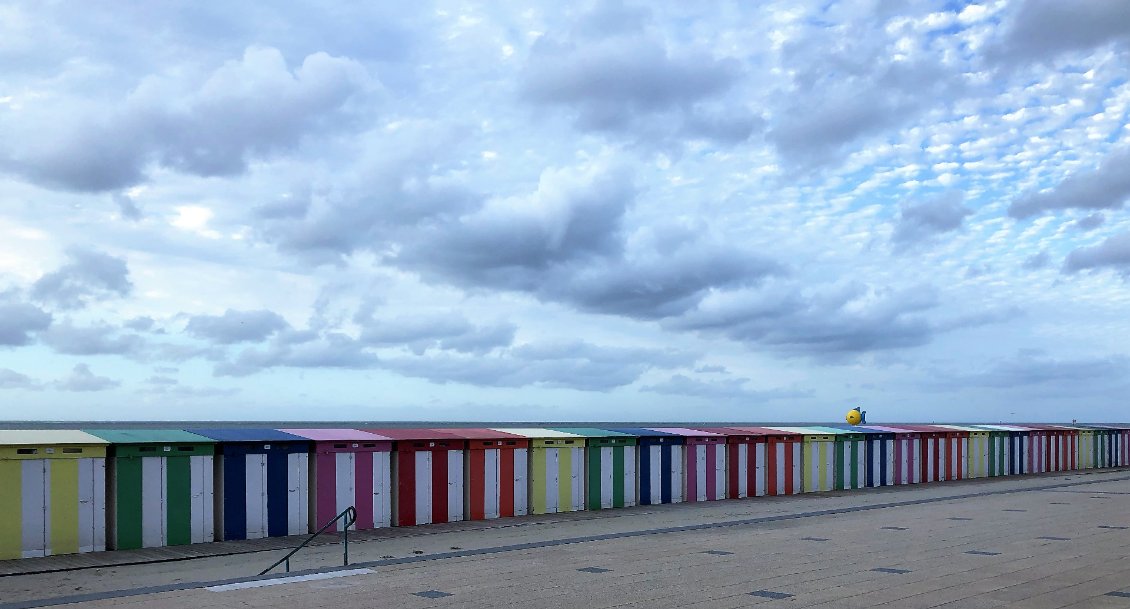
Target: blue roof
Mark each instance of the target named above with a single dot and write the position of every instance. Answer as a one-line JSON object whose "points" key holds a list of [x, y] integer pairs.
{"points": [[248, 435]]}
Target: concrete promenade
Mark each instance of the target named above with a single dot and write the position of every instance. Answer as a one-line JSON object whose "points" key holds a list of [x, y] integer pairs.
{"points": [[1046, 541]]}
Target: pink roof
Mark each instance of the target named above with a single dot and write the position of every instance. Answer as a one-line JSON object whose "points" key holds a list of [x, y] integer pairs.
{"points": [[726, 431], [336, 435]]}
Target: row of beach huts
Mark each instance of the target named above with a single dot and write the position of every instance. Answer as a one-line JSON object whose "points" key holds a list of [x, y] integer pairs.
{"points": [[68, 491]]}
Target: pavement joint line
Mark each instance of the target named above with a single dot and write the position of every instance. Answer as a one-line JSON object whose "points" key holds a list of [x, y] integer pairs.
{"points": [[983, 553], [594, 570], [717, 552], [1052, 538], [770, 594], [113, 594], [896, 528], [432, 594], [958, 518], [814, 539], [1107, 526], [1118, 594], [890, 570]]}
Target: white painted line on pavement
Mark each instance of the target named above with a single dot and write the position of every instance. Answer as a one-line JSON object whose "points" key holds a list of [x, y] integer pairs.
{"points": [[262, 583]]}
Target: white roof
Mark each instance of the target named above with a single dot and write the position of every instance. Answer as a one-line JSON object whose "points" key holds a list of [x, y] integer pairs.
{"points": [[808, 431], [40, 437], [537, 432]]}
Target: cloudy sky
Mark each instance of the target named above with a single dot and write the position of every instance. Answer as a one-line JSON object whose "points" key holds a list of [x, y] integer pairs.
{"points": [[565, 211]]}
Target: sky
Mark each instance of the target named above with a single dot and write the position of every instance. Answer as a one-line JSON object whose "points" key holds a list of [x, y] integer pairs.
{"points": [[522, 211]]}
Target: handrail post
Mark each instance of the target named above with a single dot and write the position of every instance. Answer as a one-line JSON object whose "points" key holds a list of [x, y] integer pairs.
{"points": [[350, 517]]}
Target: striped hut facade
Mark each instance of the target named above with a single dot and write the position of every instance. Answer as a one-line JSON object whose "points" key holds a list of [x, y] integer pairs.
{"points": [[54, 493], [161, 489]]}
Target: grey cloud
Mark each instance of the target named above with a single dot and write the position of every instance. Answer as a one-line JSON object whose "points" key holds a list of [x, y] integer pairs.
{"points": [[662, 285], [101, 339], [1113, 253], [87, 277], [578, 366], [1105, 187], [1090, 222], [709, 369], [726, 389], [82, 379], [451, 332], [984, 317], [331, 351], [127, 207], [566, 243], [918, 222], [1026, 370], [10, 379], [140, 324], [19, 321], [977, 270], [394, 191], [846, 88], [1037, 261], [253, 107], [611, 18], [1043, 29], [200, 392], [481, 339], [576, 214], [828, 323], [162, 381], [616, 78], [236, 326]]}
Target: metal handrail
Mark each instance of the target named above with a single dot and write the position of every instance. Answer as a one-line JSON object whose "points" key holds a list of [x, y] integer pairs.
{"points": [[350, 515]]}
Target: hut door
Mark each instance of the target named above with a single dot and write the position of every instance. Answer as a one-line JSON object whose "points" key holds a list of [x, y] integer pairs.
{"points": [[36, 506]]}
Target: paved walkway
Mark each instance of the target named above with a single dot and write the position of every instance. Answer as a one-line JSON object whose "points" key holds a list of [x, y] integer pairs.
{"points": [[1043, 541]]}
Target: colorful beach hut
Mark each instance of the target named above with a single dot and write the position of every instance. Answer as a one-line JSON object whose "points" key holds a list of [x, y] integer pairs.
{"points": [[427, 470], [878, 461], [975, 448], [1119, 438], [54, 493], [940, 456], [263, 482], [704, 466], [784, 464], [905, 453], [351, 468], [610, 467], [745, 462], [998, 445], [161, 488], [557, 468], [497, 478], [851, 457], [659, 465], [818, 458], [1018, 447]]}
